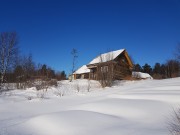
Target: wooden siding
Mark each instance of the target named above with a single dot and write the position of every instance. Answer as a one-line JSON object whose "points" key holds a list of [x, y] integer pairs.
{"points": [[117, 69]]}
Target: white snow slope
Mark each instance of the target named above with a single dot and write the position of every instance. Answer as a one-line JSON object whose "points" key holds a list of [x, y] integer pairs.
{"points": [[131, 108]]}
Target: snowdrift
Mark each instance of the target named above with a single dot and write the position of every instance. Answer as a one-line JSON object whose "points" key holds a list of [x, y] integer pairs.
{"points": [[141, 75], [132, 108]]}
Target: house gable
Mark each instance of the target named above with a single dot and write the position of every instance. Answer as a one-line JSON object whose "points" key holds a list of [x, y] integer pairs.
{"points": [[124, 58], [110, 56], [106, 57]]}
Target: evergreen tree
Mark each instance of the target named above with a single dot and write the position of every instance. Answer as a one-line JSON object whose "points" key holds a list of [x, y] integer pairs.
{"points": [[63, 75], [50, 73], [163, 71], [147, 69], [43, 70], [137, 68], [19, 73], [157, 68]]}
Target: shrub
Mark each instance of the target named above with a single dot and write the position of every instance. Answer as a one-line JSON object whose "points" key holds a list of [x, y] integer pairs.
{"points": [[45, 84], [174, 124]]}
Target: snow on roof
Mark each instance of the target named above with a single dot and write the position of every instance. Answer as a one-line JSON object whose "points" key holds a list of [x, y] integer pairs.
{"points": [[82, 70], [141, 75], [106, 56]]}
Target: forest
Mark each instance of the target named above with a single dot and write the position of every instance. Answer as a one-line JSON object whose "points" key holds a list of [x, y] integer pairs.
{"points": [[21, 69]]}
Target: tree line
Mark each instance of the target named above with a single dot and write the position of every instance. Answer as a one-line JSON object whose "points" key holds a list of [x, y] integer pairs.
{"points": [[15, 68], [169, 69]]}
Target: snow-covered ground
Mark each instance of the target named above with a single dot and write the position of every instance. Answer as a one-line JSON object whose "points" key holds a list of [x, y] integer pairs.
{"points": [[128, 108]]}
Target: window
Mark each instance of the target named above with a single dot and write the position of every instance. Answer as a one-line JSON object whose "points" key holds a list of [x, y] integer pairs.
{"points": [[104, 69]]}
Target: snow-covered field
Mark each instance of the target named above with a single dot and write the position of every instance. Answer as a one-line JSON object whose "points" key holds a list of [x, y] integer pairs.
{"points": [[128, 108]]}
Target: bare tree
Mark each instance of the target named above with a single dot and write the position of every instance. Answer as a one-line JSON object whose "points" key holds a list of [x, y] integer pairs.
{"points": [[8, 51], [74, 54], [172, 68], [177, 52], [177, 55], [28, 66], [174, 123]]}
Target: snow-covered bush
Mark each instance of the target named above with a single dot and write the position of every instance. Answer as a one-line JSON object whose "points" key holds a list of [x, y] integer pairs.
{"points": [[140, 75]]}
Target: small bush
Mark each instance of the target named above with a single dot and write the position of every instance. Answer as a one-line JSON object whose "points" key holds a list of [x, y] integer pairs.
{"points": [[41, 94], [53, 82], [24, 85], [29, 98], [41, 86], [45, 84]]}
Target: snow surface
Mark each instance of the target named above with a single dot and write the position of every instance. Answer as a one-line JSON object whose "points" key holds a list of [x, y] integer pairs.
{"points": [[141, 75], [106, 56], [82, 70], [127, 108]]}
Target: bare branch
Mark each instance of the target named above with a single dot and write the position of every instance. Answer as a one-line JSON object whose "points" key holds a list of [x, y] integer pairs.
{"points": [[8, 50], [74, 54]]}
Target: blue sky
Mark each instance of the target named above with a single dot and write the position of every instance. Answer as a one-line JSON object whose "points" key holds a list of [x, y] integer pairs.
{"points": [[49, 29]]}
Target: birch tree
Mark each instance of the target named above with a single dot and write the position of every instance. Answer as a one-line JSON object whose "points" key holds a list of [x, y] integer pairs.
{"points": [[8, 51]]}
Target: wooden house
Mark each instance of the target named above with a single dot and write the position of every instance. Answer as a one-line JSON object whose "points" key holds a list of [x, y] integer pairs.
{"points": [[116, 65], [82, 73]]}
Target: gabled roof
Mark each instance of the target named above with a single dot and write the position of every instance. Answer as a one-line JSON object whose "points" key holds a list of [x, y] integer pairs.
{"points": [[107, 56], [82, 70], [103, 58]]}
